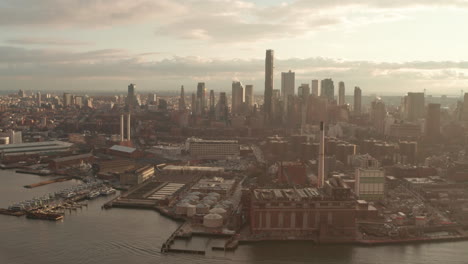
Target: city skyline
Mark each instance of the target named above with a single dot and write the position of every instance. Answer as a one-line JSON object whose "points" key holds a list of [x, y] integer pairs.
{"points": [[109, 44]]}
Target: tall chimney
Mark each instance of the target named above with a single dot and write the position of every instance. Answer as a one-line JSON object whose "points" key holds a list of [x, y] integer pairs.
{"points": [[128, 128], [121, 127], [321, 161]]}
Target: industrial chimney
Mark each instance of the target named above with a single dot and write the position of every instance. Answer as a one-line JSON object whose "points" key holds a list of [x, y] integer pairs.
{"points": [[321, 157], [128, 127], [121, 128]]}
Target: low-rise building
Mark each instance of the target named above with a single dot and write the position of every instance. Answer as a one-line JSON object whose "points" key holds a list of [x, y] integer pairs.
{"points": [[213, 149]]}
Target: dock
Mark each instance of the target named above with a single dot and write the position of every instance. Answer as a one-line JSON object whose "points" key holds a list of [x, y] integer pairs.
{"points": [[35, 172], [34, 185]]}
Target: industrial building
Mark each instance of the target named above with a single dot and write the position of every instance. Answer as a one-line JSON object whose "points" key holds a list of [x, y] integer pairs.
{"points": [[306, 213], [370, 184], [35, 148], [63, 162], [213, 149], [138, 176]]}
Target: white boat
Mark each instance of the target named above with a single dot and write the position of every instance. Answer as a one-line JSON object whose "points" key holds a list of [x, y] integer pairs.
{"points": [[108, 191], [93, 194]]}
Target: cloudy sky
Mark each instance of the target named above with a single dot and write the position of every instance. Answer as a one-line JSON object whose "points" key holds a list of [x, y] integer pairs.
{"points": [[383, 46]]}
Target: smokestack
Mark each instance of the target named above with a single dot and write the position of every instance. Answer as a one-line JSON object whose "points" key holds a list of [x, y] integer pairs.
{"points": [[321, 161], [128, 128], [121, 127]]}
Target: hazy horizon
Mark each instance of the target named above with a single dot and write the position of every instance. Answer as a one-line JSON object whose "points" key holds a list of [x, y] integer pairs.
{"points": [[385, 47]]}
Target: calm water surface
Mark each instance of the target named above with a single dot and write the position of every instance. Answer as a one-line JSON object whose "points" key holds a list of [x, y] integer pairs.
{"points": [[92, 235]]}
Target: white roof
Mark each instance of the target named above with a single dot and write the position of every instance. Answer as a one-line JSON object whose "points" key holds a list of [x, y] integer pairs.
{"points": [[122, 148]]}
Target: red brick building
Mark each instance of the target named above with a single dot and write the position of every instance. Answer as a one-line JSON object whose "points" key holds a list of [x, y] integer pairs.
{"points": [[306, 213]]}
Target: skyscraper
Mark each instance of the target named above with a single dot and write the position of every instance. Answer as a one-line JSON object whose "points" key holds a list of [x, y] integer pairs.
{"points": [[341, 93], [194, 104], [303, 91], [288, 83], [378, 113], [269, 60], [201, 98], [38, 98], [415, 106], [222, 107], [433, 121], [357, 100], [249, 96], [237, 96], [464, 114], [212, 101], [327, 89], [131, 96], [67, 99], [182, 98], [315, 86]]}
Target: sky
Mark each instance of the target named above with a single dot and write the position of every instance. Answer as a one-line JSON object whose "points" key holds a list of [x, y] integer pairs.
{"points": [[383, 46]]}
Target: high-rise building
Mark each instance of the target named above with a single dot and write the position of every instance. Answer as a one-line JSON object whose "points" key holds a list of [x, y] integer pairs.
{"points": [[212, 101], [67, 99], [21, 93], [237, 97], [222, 107], [464, 114], [182, 99], [327, 89], [193, 106], [378, 113], [201, 98], [303, 91], [249, 96], [79, 101], [152, 99], [433, 121], [288, 82], [341, 93], [315, 87], [415, 106], [38, 98], [268, 96], [131, 96], [357, 100]]}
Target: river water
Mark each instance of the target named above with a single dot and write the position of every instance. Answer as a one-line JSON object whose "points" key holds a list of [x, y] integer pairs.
{"points": [[92, 235]]}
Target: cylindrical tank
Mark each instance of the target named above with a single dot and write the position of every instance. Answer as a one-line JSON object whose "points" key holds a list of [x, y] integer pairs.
{"points": [[213, 220], [210, 198], [220, 211], [191, 210], [209, 203], [202, 208], [181, 208], [215, 194]]}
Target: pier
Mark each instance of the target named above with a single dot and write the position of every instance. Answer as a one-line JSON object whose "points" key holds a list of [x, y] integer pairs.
{"points": [[34, 185]]}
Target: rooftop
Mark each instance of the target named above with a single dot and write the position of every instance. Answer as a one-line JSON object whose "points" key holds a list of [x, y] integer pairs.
{"points": [[123, 149], [287, 194], [35, 147]]}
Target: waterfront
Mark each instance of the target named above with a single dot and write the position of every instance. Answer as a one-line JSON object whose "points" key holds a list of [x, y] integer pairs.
{"points": [[92, 235]]}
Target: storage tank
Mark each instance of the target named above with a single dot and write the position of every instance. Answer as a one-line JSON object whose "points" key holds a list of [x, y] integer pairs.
{"points": [[191, 210], [213, 220], [227, 204], [192, 197], [181, 208], [219, 211], [209, 203], [215, 194], [202, 208], [210, 198]]}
